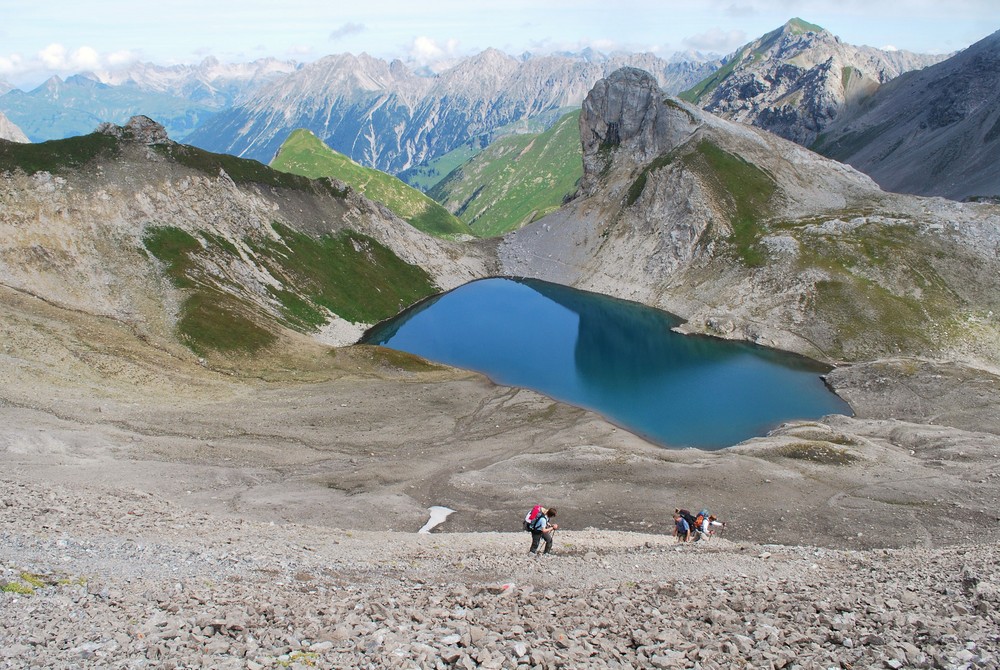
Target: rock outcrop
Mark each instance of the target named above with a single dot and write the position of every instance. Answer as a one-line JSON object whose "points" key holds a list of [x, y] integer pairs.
{"points": [[931, 132], [622, 113], [9, 131], [139, 129]]}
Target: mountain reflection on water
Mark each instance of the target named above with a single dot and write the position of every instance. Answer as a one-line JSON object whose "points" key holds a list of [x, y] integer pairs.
{"points": [[618, 358]]}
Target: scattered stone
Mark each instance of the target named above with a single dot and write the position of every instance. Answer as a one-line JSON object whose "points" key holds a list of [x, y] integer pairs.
{"points": [[168, 593]]}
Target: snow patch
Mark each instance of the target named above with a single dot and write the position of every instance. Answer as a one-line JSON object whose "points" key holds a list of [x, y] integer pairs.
{"points": [[438, 515]]}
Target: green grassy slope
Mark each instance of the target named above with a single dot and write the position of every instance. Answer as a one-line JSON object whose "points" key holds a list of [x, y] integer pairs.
{"points": [[305, 154], [429, 174], [349, 274], [224, 308], [72, 153], [515, 180], [56, 156], [700, 91], [742, 188]]}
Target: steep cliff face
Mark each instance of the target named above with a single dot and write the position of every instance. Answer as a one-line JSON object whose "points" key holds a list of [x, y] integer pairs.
{"points": [[9, 131], [750, 236], [213, 252], [932, 132], [796, 80], [386, 116], [622, 115]]}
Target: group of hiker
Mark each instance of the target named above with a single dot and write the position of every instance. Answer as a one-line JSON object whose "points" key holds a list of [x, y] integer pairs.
{"points": [[687, 526]]}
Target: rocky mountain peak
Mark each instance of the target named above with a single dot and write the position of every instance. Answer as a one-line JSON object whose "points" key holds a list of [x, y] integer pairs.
{"points": [[795, 80], [797, 26], [626, 111], [52, 85], [481, 75], [139, 129], [797, 41]]}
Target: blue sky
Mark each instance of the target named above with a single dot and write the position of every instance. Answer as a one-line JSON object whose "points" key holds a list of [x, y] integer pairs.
{"points": [[38, 39]]}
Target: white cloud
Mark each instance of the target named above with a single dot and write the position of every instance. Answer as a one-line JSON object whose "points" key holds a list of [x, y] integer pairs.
{"points": [[84, 58], [741, 11], [57, 59], [347, 30], [11, 64], [53, 56], [717, 40], [425, 50], [120, 58], [301, 51]]}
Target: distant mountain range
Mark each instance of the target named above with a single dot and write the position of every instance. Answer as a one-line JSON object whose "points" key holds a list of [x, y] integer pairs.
{"points": [[380, 114], [180, 97], [926, 131], [387, 116], [932, 132]]}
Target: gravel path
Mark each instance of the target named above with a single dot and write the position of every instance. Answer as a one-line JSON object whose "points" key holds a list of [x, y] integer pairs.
{"points": [[124, 579]]}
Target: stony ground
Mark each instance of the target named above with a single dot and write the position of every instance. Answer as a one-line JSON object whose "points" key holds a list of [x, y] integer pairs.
{"points": [[120, 578]]}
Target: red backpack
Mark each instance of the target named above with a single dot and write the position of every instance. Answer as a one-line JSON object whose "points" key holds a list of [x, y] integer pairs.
{"points": [[529, 518]]}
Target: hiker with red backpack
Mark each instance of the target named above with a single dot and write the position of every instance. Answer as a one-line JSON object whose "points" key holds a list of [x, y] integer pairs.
{"points": [[538, 522]]}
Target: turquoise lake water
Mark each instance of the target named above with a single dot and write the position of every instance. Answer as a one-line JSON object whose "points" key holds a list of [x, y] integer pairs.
{"points": [[617, 358]]}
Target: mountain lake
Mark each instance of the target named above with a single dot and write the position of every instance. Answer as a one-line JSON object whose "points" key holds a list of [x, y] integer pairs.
{"points": [[617, 358]]}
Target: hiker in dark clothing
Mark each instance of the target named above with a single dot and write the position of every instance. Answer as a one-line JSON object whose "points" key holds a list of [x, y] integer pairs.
{"points": [[687, 516], [542, 529]]}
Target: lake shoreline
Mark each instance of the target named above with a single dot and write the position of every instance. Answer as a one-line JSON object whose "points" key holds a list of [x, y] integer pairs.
{"points": [[620, 359]]}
